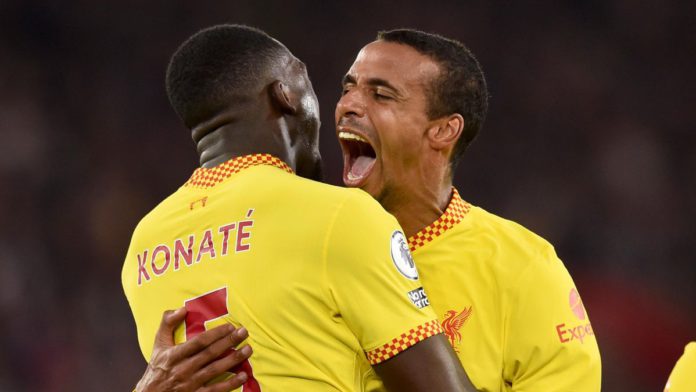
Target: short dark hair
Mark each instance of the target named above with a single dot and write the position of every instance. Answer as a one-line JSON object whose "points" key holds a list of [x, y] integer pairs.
{"points": [[215, 65], [460, 87]]}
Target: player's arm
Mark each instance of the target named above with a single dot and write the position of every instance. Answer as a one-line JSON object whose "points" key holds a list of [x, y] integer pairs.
{"points": [[429, 365], [189, 366], [375, 285], [551, 345]]}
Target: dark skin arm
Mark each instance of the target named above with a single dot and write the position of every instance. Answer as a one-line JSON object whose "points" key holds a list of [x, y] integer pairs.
{"points": [[429, 365], [187, 367]]}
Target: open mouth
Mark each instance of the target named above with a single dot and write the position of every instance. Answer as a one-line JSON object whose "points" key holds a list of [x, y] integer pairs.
{"points": [[359, 158]]}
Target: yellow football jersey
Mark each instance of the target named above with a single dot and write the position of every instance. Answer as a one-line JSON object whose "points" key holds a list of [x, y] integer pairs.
{"points": [[683, 377], [508, 305], [321, 276]]}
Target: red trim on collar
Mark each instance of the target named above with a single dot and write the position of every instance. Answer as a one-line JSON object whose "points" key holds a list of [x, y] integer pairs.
{"points": [[206, 178], [455, 212]]}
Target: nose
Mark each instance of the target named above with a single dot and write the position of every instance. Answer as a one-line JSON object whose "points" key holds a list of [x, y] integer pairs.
{"points": [[352, 103]]}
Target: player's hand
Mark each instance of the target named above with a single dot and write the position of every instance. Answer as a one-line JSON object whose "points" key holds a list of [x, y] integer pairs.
{"points": [[189, 366]]}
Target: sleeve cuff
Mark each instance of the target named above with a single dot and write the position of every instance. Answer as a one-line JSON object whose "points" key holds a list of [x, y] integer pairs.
{"points": [[406, 340]]}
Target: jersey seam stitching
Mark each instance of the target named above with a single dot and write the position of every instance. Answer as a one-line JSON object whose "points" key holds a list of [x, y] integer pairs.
{"points": [[515, 289], [327, 237]]}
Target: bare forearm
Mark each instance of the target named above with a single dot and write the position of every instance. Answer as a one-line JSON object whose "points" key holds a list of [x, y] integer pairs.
{"points": [[430, 365]]}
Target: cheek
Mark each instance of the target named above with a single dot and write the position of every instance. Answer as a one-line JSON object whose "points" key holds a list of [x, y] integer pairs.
{"points": [[400, 150], [401, 137], [310, 105], [337, 114], [400, 134]]}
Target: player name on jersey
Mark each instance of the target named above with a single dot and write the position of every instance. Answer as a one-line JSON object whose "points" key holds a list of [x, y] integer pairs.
{"points": [[191, 249]]}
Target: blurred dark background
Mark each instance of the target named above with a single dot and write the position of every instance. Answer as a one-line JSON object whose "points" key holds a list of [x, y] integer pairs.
{"points": [[590, 141]]}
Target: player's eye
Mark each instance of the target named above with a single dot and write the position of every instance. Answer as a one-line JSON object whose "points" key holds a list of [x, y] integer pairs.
{"points": [[345, 90], [381, 96]]}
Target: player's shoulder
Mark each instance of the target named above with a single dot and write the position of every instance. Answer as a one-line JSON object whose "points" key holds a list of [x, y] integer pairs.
{"points": [[349, 216], [157, 215], [512, 248], [289, 191], [355, 200], [522, 258], [507, 232]]}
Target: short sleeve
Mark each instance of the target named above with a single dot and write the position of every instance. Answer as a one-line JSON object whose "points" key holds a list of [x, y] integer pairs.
{"points": [[374, 281], [550, 344]]}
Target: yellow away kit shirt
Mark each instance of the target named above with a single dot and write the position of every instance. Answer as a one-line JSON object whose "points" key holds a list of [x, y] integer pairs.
{"points": [[508, 305], [683, 377], [321, 276]]}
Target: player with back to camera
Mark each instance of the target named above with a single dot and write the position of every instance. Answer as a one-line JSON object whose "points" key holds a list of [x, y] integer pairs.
{"points": [[317, 274]]}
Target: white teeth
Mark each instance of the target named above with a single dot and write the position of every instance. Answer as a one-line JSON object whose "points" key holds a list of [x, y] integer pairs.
{"points": [[352, 177], [351, 136]]}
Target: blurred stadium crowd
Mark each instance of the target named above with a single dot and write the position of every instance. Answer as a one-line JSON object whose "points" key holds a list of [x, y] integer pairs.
{"points": [[590, 141]]}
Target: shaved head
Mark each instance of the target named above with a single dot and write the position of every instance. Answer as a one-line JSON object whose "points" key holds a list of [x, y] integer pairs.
{"points": [[217, 66]]}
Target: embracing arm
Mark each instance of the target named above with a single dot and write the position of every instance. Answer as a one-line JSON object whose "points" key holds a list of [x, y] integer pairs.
{"points": [[430, 365], [377, 292], [189, 366]]}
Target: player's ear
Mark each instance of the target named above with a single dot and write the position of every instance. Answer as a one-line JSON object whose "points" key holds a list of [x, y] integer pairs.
{"points": [[445, 131], [282, 98]]}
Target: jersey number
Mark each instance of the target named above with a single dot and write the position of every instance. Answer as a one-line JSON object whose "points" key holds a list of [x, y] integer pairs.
{"points": [[208, 307]]}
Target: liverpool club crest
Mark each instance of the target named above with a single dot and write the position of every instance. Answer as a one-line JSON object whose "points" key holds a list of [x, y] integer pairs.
{"points": [[452, 322]]}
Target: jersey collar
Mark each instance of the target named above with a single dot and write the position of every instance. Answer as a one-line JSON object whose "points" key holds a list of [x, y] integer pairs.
{"points": [[454, 213], [206, 178]]}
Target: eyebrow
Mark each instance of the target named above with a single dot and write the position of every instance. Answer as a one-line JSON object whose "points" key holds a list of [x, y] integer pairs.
{"points": [[371, 82]]}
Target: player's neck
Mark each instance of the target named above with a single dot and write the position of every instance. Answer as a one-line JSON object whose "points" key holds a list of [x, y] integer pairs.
{"points": [[218, 150], [228, 142], [237, 131], [418, 207]]}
